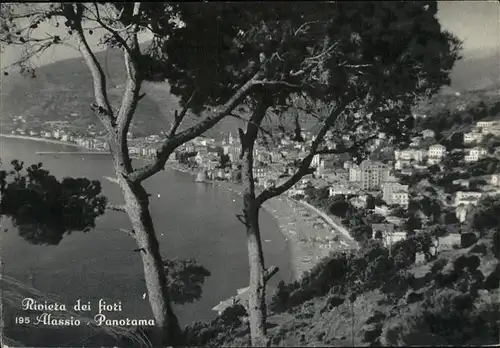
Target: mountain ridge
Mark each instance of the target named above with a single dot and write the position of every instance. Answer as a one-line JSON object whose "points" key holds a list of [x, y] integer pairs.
{"points": [[64, 88]]}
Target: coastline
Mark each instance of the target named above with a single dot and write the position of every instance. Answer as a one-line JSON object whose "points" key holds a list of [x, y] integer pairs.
{"points": [[43, 140], [308, 242], [308, 235]]}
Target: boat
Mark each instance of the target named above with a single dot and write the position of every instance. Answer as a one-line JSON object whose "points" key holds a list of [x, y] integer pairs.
{"points": [[201, 176]]}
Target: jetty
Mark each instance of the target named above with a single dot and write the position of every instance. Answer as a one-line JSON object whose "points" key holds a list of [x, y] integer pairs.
{"points": [[242, 294], [72, 153]]}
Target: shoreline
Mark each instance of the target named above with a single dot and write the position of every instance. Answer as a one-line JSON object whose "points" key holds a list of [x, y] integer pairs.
{"points": [[42, 140], [307, 243], [304, 230]]}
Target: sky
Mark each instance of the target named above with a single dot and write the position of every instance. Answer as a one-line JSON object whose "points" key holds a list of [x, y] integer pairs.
{"points": [[476, 23]]}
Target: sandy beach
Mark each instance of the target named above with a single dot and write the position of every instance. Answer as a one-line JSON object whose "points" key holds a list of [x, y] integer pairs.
{"points": [[309, 237]]}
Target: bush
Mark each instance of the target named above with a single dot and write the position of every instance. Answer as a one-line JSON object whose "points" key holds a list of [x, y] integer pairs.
{"points": [[280, 298], [481, 249], [231, 315], [439, 265], [467, 239], [495, 243]]}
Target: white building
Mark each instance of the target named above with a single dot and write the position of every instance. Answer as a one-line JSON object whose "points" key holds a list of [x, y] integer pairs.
{"points": [[466, 198], [315, 161], [436, 151], [495, 179], [370, 174], [474, 136], [488, 126], [342, 189], [475, 154], [401, 164], [428, 133], [395, 193], [462, 210], [409, 154]]}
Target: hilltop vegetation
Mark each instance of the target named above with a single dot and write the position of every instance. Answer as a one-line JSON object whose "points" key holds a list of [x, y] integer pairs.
{"points": [[377, 297], [60, 92], [60, 89]]}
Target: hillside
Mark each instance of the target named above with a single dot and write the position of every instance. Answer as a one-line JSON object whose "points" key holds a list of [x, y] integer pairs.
{"points": [[451, 300], [64, 88], [478, 70]]}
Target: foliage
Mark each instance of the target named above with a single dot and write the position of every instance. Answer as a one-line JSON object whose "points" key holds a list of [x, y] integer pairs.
{"points": [[486, 214], [413, 222], [185, 279], [339, 206], [370, 202], [44, 208]]}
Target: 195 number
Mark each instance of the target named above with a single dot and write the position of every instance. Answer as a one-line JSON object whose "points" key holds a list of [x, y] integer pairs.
{"points": [[21, 320]]}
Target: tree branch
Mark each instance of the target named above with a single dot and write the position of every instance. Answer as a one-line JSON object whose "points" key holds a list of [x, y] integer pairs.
{"points": [[102, 107], [114, 207], [131, 95], [351, 148], [299, 29], [113, 31], [179, 117], [192, 132], [276, 83], [304, 166]]}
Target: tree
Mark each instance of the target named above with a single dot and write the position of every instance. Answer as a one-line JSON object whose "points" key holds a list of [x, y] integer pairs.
{"points": [[456, 141], [434, 169], [370, 202], [224, 160], [413, 223], [120, 24], [486, 215], [339, 207], [357, 68], [44, 208], [185, 278], [362, 232]]}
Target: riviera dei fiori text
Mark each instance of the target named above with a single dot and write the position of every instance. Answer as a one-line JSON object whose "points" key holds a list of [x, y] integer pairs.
{"points": [[56, 314]]}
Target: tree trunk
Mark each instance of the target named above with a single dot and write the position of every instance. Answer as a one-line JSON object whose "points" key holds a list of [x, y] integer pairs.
{"points": [[257, 309], [137, 206], [257, 288]]}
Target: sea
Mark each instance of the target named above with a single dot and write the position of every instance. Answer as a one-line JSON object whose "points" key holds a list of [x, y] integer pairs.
{"points": [[193, 221]]}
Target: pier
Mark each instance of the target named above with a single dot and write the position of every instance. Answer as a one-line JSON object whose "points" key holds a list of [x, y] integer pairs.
{"points": [[72, 153]]}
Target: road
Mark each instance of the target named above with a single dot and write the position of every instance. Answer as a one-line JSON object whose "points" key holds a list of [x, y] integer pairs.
{"points": [[339, 228]]}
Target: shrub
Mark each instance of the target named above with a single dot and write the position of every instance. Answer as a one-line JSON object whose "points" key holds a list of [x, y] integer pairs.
{"points": [[460, 263], [231, 315], [439, 265], [495, 244], [493, 279], [480, 249], [467, 239], [280, 298]]}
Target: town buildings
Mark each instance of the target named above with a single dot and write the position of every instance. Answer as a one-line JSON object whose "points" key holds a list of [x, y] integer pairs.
{"points": [[369, 173], [393, 193]]}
